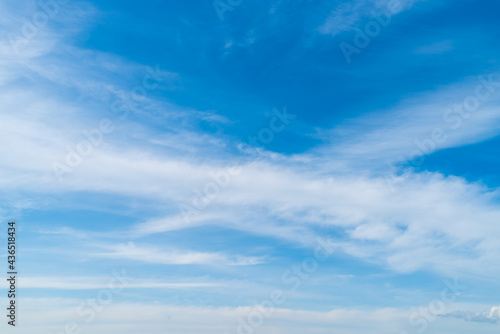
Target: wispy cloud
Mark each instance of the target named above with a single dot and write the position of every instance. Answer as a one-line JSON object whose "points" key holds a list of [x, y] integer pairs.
{"points": [[492, 316], [348, 16], [151, 254], [450, 117]]}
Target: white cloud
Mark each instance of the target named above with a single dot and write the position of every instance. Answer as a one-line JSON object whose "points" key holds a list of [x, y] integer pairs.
{"points": [[492, 316], [151, 254], [350, 15], [451, 117]]}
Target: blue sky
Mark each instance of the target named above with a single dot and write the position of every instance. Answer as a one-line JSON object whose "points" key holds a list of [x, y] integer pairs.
{"points": [[202, 153]]}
